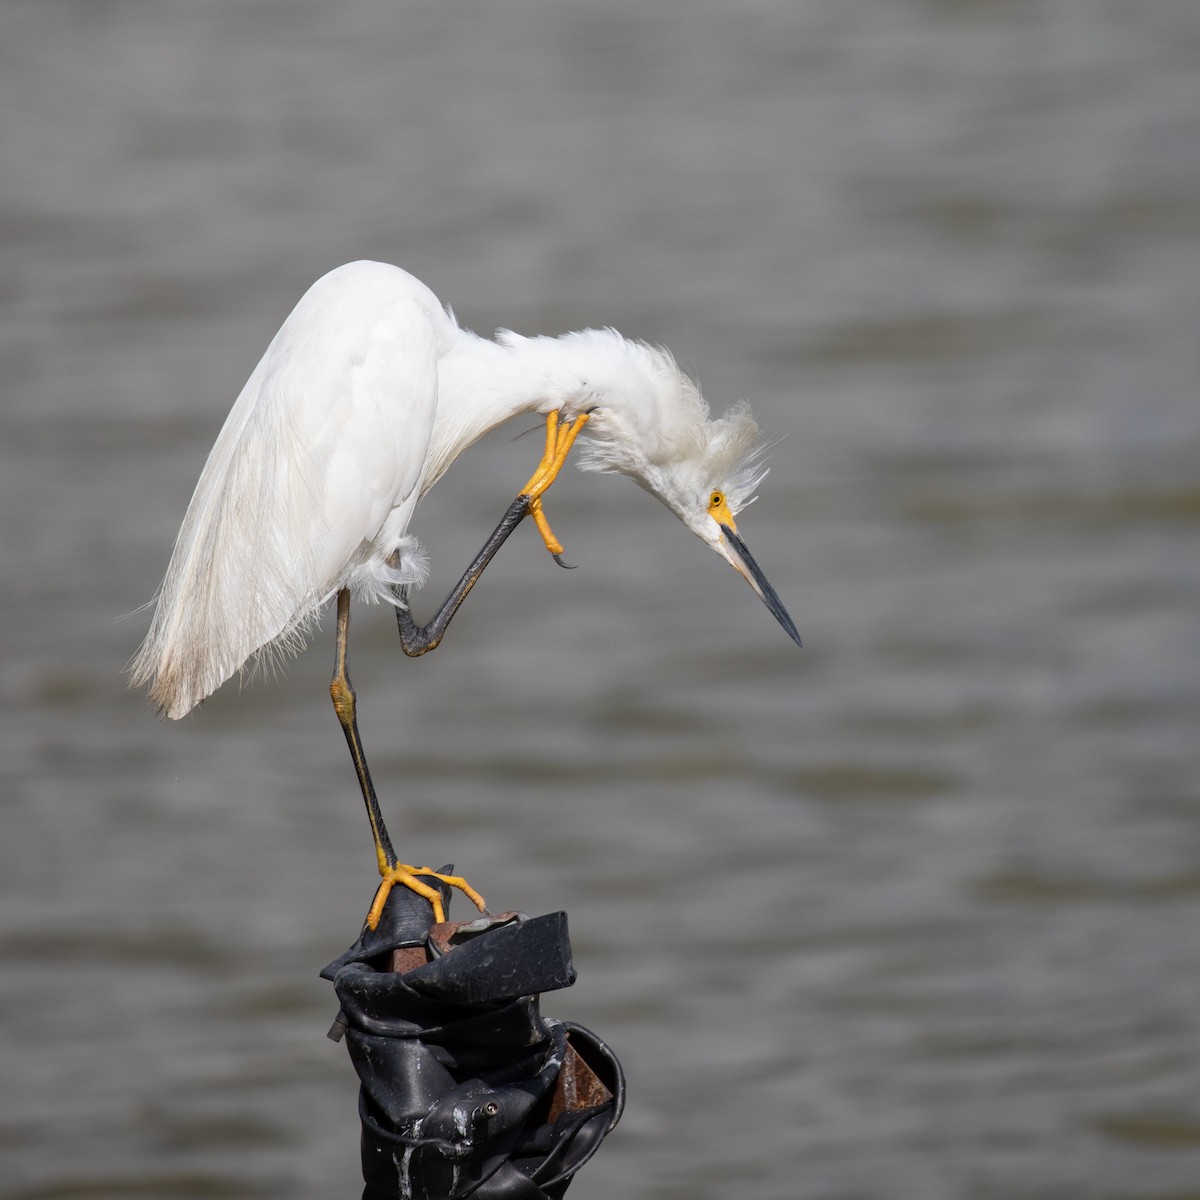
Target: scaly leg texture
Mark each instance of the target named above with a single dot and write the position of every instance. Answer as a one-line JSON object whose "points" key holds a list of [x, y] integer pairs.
{"points": [[344, 703]]}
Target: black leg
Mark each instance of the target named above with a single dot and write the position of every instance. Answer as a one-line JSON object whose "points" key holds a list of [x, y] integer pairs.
{"points": [[417, 639], [393, 871], [342, 693]]}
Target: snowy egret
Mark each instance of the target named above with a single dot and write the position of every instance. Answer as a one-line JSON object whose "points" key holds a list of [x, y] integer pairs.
{"points": [[363, 399]]}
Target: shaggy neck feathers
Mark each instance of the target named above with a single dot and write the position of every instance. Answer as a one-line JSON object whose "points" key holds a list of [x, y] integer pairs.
{"points": [[649, 420]]}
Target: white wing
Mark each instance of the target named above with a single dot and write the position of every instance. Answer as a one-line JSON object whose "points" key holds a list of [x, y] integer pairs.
{"points": [[309, 487]]}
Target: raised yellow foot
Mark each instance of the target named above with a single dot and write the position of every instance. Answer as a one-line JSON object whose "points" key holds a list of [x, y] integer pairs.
{"points": [[560, 437]]}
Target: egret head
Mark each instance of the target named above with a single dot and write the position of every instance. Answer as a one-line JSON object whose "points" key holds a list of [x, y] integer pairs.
{"points": [[656, 428]]}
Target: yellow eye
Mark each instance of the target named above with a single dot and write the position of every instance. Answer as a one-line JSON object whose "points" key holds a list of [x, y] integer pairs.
{"points": [[716, 500]]}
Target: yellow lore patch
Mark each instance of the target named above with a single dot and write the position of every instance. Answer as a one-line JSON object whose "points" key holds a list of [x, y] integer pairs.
{"points": [[718, 509]]}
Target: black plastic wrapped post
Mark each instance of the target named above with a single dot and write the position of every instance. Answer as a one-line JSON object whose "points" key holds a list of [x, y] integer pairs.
{"points": [[466, 1089]]}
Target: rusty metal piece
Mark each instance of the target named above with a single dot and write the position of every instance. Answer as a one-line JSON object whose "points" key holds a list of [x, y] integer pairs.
{"points": [[578, 1087], [405, 958]]}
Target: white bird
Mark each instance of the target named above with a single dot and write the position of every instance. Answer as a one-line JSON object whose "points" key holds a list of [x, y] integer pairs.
{"points": [[363, 399]]}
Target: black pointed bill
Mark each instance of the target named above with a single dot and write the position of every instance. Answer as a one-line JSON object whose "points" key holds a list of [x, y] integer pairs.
{"points": [[739, 555]]}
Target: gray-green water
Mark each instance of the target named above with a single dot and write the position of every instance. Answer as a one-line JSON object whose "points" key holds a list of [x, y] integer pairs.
{"points": [[913, 913]]}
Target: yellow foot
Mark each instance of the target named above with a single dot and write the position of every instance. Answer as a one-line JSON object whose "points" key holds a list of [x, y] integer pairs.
{"points": [[406, 876], [560, 437]]}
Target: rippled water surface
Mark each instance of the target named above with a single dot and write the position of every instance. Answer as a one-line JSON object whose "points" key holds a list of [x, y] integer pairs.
{"points": [[911, 913]]}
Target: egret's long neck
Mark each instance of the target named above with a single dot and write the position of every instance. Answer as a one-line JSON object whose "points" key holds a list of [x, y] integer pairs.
{"points": [[482, 384]]}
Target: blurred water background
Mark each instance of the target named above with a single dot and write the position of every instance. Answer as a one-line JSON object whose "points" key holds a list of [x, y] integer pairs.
{"points": [[911, 913]]}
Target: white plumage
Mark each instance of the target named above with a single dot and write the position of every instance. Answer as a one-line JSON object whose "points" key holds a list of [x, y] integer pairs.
{"points": [[363, 399]]}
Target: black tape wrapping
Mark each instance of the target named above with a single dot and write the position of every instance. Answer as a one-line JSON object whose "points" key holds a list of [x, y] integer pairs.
{"points": [[465, 1088]]}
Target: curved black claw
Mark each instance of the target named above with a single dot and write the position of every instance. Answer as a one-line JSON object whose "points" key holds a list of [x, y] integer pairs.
{"points": [[565, 565]]}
